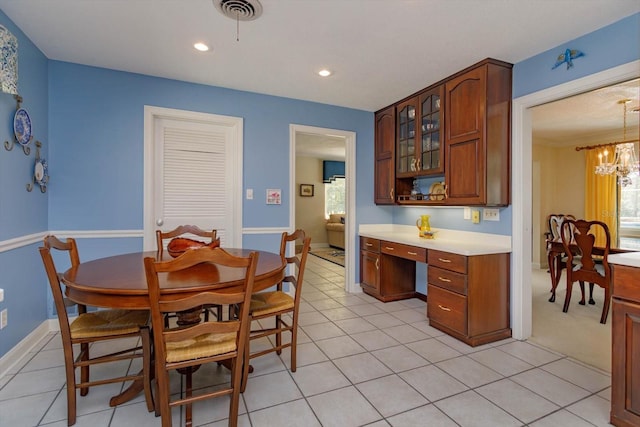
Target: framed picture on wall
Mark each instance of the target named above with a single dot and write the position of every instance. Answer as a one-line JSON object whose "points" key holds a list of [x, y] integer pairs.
{"points": [[306, 190]]}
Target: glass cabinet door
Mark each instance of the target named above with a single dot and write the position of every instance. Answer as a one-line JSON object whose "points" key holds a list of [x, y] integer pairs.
{"points": [[431, 150], [406, 125]]}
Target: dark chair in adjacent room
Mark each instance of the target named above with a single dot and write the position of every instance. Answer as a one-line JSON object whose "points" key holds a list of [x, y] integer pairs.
{"points": [[186, 347], [589, 263], [274, 304], [555, 259], [92, 327]]}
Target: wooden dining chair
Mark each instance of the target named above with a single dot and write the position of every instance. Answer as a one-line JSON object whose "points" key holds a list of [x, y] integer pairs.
{"points": [[590, 263], [165, 237], [93, 327], [186, 347], [275, 304], [556, 260]]}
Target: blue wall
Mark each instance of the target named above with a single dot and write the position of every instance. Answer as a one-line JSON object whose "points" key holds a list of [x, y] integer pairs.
{"points": [[604, 48], [97, 116], [90, 121], [23, 213]]}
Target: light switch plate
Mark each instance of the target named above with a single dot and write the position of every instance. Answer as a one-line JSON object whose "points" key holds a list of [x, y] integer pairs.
{"points": [[3, 318], [489, 214], [467, 213], [475, 216], [249, 193], [1, 295]]}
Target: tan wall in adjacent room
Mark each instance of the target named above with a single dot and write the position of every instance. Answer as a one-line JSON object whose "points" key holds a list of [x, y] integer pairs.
{"points": [[557, 188], [309, 213]]}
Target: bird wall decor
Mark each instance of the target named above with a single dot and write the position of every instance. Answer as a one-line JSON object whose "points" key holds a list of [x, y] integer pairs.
{"points": [[568, 56]]}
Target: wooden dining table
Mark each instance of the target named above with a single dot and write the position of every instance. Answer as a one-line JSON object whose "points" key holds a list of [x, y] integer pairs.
{"points": [[119, 281]]}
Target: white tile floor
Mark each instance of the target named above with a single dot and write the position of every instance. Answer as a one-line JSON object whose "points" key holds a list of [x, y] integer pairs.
{"points": [[360, 362]]}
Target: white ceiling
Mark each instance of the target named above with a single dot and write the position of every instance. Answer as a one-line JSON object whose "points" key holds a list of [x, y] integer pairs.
{"points": [[379, 50], [590, 118]]}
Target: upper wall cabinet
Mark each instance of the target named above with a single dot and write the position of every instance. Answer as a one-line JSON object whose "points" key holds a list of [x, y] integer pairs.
{"points": [[477, 135], [384, 168], [457, 129]]}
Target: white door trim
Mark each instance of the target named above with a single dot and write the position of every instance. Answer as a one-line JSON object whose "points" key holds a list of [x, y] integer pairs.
{"points": [[521, 299], [152, 113], [350, 182]]}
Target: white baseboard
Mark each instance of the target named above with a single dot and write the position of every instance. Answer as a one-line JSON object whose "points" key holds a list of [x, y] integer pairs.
{"points": [[24, 347]]}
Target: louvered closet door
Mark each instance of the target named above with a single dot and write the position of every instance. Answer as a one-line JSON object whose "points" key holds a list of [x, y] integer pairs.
{"points": [[192, 185]]}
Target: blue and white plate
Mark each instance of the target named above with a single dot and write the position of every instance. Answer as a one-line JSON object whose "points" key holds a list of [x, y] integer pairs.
{"points": [[41, 172], [22, 126]]}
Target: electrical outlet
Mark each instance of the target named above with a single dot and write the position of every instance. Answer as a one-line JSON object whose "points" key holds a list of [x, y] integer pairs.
{"points": [[475, 216], [491, 214], [467, 213], [3, 318]]}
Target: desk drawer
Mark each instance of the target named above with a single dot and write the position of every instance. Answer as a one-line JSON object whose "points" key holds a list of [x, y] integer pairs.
{"points": [[447, 308], [447, 279], [448, 261], [369, 244], [413, 253]]}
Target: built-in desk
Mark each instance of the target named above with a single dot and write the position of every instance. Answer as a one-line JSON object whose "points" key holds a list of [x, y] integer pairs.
{"points": [[467, 277]]}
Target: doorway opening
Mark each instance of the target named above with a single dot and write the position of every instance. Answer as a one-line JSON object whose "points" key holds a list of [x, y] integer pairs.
{"points": [[310, 147], [522, 161]]}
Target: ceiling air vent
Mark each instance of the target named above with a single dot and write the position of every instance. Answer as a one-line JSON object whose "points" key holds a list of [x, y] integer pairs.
{"points": [[240, 10]]}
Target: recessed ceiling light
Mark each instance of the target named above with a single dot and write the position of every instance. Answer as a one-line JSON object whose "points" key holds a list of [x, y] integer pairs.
{"points": [[324, 73], [201, 47]]}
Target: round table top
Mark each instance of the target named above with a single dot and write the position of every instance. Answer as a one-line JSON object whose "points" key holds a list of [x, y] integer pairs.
{"points": [[120, 282]]}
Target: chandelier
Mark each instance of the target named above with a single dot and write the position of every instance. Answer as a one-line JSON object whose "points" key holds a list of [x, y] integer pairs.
{"points": [[623, 161]]}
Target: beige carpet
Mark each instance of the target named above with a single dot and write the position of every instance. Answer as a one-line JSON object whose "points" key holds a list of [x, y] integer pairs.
{"points": [[577, 333], [335, 256]]}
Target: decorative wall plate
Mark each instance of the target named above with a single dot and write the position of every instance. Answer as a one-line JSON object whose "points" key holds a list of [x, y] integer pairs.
{"points": [[41, 172], [22, 126]]}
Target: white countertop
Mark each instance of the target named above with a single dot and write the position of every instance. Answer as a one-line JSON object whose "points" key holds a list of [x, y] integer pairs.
{"points": [[466, 243], [630, 259]]}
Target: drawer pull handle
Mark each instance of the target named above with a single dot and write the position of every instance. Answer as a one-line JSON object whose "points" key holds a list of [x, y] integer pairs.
{"points": [[444, 260], [388, 248], [443, 308], [368, 244], [377, 263], [412, 253], [444, 279]]}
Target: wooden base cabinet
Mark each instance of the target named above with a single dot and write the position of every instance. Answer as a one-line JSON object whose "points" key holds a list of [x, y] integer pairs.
{"points": [[625, 367], [468, 296], [370, 265], [388, 270]]}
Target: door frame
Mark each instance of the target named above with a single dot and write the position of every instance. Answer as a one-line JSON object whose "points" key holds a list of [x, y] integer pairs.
{"points": [[521, 225], [151, 114], [350, 183]]}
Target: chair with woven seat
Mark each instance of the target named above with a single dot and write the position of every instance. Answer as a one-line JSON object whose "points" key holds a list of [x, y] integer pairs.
{"points": [[275, 304], [589, 263], [93, 327], [186, 347], [162, 237]]}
